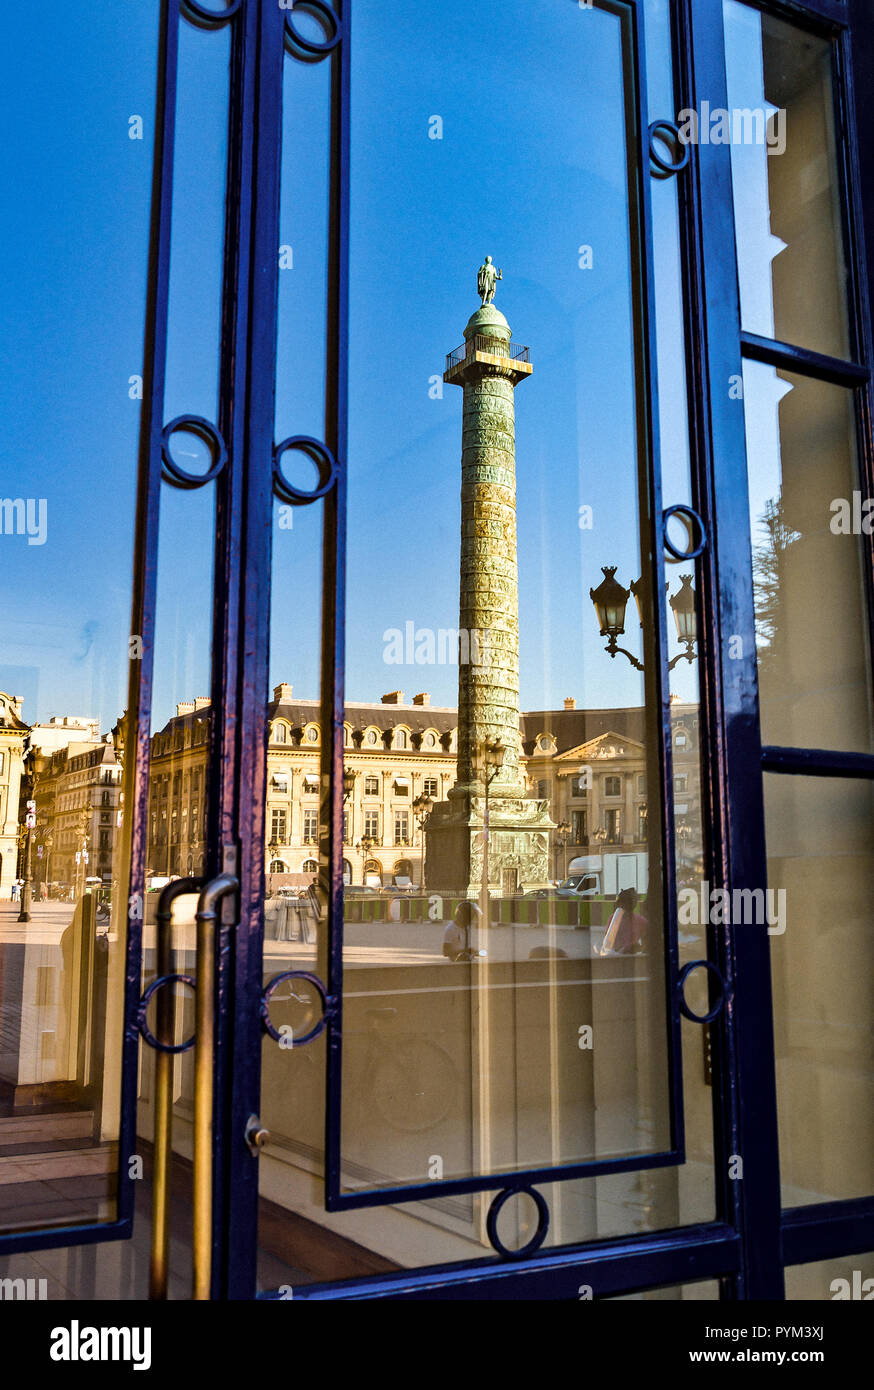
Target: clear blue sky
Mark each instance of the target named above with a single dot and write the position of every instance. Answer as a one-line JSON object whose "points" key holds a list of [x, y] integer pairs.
{"points": [[531, 166]]}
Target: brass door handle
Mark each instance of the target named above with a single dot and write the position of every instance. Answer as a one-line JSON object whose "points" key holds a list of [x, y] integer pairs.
{"points": [[256, 1135], [159, 1263], [208, 907]]}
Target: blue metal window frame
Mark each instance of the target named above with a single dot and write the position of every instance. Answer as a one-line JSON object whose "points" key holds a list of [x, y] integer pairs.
{"points": [[652, 531], [750, 1239]]}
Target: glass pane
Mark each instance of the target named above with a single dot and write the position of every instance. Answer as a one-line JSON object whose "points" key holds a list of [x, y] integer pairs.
{"points": [[849, 1278], [820, 837], [399, 754], [787, 197], [808, 522], [69, 416]]}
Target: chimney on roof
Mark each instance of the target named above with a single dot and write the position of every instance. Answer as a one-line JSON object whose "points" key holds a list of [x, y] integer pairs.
{"points": [[424, 699], [394, 697], [570, 702], [185, 707], [201, 701], [282, 692]]}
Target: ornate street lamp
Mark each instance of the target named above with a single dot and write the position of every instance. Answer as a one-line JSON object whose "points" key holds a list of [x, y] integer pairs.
{"points": [[610, 600], [561, 836], [683, 605], [422, 807], [487, 763]]}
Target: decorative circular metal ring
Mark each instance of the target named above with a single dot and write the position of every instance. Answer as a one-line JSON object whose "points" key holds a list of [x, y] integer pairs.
{"points": [[670, 134], [310, 45], [681, 985], [542, 1222], [143, 1026], [213, 16], [697, 521], [320, 455], [195, 424], [317, 985]]}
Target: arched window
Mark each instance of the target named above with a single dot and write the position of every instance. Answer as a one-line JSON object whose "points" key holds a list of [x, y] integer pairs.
{"points": [[278, 866], [280, 733], [309, 867], [401, 738]]}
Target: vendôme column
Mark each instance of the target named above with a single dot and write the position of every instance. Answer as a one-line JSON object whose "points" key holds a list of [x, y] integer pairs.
{"points": [[489, 369]]}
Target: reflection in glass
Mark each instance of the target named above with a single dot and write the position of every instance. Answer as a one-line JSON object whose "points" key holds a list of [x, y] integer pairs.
{"points": [[808, 532], [820, 838], [65, 620], [785, 177], [541, 1050], [850, 1277]]}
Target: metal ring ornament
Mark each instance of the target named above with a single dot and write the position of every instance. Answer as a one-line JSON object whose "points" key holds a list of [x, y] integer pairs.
{"points": [[195, 424], [680, 509], [319, 454], [681, 984], [311, 45], [143, 1026], [669, 132], [327, 1006], [211, 16], [542, 1222]]}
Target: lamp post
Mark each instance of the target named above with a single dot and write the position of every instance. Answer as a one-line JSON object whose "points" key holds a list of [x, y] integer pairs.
{"points": [[366, 845], [423, 805], [488, 762], [29, 826], [611, 598], [562, 837], [348, 794]]}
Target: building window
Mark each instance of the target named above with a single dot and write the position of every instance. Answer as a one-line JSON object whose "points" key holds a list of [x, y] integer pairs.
{"points": [[402, 827], [580, 786], [277, 867], [371, 736], [278, 825], [279, 781], [280, 735], [429, 786], [680, 741], [430, 741], [346, 827], [104, 839], [310, 783], [641, 822], [371, 825], [371, 786], [2, 763], [310, 866], [612, 786], [579, 827], [681, 782], [402, 786], [312, 735], [641, 784], [613, 826], [310, 827], [543, 789], [401, 739]]}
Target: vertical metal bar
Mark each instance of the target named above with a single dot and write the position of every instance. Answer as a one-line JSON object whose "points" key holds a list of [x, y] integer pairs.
{"points": [[135, 723], [333, 668], [257, 289], [749, 1127]]}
